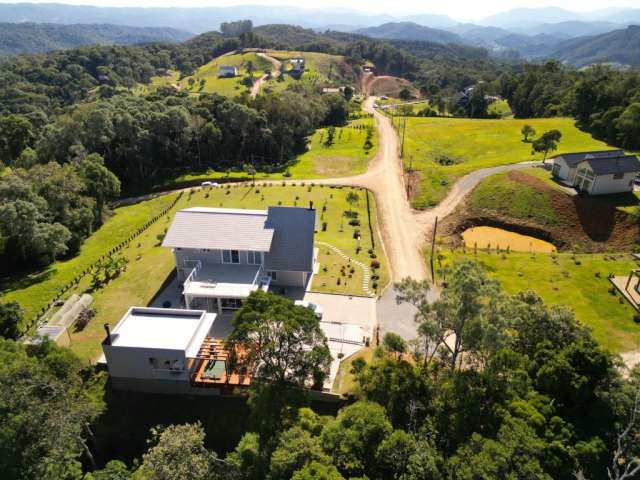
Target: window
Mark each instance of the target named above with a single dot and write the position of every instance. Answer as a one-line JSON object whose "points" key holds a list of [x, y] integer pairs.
{"points": [[273, 275], [230, 303], [230, 256], [254, 258]]}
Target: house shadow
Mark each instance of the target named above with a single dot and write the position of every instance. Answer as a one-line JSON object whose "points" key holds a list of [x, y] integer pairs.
{"points": [[597, 217]]}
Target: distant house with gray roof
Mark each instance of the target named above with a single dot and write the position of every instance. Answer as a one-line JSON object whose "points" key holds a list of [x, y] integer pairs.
{"points": [[222, 255], [598, 172]]}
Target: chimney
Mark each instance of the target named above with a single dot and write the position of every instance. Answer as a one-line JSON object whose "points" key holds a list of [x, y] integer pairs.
{"points": [[310, 205], [107, 329]]}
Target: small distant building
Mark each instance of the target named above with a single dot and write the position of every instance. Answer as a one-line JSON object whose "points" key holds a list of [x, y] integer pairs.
{"points": [[228, 71], [597, 173], [297, 65]]}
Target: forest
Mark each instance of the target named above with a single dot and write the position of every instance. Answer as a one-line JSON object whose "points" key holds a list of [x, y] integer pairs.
{"points": [[604, 102]]}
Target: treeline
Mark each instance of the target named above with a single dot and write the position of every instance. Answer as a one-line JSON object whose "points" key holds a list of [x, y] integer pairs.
{"points": [[523, 392], [604, 102], [48, 209], [63, 174]]}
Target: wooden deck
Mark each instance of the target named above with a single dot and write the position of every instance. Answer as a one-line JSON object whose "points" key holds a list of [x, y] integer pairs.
{"points": [[628, 289], [214, 350]]}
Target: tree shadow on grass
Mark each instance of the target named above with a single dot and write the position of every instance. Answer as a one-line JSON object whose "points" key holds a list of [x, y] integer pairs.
{"points": [[24, 279]]}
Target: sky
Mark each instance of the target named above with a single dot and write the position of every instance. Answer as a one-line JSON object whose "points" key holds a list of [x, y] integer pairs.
{"points": [[457, 9]]}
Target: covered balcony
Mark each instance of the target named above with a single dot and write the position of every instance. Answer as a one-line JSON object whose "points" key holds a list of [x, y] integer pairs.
{"points": [[220, 287]]}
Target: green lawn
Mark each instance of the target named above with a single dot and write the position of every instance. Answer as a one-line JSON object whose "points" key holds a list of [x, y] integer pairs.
{"points": [[321, 69], [500, 107], [34, 290], [558, 279], [501, 194], [346, 157], [474, 144], [151, 265]]}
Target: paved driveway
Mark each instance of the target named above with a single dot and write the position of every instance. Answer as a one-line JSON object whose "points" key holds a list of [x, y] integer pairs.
{"points": [[398, 318]]}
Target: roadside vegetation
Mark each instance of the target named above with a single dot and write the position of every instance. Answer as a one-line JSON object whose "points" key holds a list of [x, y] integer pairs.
{"points": [[442, 150]]}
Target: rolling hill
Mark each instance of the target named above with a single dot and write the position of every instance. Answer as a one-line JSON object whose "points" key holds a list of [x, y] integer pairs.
{"points": [[409, 31], [620, 47], [18, 38]]}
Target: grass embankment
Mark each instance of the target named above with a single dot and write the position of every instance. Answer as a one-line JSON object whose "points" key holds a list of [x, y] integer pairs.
{"points": [[505, 194], [150, 265], [346, 157], [501, 108], [34, 290], [579, 282], [530, 202], [470, 145]]}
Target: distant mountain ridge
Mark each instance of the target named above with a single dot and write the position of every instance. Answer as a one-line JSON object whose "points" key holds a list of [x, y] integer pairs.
{"points": [[18, 38], [618, 47], [409, 31]]}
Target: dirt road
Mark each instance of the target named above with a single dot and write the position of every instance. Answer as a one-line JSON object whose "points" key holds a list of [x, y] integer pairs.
{"points": [[405, 231], [275, 72]]}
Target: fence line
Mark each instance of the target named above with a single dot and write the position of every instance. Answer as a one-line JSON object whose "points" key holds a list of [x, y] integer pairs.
{"points": [[76, 280]]}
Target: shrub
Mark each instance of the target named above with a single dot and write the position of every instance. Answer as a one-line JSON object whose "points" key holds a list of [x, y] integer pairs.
{"points": [[375, 264], [636, 318], [354, 222], [324, 226]]}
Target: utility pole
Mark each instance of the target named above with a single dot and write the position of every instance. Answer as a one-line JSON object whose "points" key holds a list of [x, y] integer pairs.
{"points": [[404, 129], [433, 248]]}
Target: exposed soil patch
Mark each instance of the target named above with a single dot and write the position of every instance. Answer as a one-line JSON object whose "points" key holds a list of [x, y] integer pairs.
{"points": [[412, 179], [584, 223]]}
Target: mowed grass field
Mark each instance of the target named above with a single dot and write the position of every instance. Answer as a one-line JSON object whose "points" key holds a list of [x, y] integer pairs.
{"points": [[346, 157], [150, 265], [229, 87], [579, 282], [474, 144]]}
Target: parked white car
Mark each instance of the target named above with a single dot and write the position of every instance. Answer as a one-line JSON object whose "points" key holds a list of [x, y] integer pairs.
{"points": [[209, 184], [316, 309]]}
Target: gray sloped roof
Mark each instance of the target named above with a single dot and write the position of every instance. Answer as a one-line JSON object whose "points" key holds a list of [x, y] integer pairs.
{"points": [[292, 246], [220, 229], [573, 159], [605, 166]]}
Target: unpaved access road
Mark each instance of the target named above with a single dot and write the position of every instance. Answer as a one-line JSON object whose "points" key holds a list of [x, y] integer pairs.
{"points": [[275, 72], [404, 230]]}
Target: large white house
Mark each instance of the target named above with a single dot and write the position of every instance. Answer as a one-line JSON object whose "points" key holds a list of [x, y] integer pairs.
{"points": [[222, 255], [597, 173]]}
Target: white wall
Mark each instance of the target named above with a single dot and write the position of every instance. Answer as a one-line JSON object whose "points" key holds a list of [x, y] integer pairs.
{"points": [[133, 362], [606, 184]]}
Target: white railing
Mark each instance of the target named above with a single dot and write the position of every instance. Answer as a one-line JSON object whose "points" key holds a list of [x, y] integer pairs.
{"points": [[194, 272]]}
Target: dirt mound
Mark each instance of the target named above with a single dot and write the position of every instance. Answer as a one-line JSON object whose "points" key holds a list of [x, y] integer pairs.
{"points": [[584, 223], [390, 86]]}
